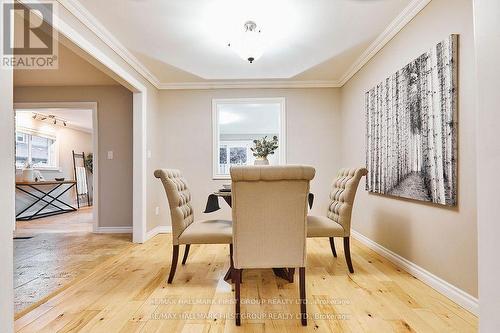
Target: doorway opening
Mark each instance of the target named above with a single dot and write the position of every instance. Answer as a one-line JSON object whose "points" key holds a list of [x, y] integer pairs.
{"points": [[56, 155]]}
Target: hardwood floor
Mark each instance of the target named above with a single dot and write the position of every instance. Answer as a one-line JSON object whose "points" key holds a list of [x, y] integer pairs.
{"points": [[129, 293], [59, 252], [79, 221]]}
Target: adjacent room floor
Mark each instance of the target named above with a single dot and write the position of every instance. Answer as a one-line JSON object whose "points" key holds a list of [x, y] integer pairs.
{"points": [[51, 253], [129, 293]]}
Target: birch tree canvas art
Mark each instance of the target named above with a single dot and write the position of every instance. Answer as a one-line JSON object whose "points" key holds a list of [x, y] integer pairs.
{"points": [[412, 129]]}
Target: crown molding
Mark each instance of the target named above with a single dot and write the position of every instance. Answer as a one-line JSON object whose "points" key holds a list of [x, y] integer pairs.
{"points": [[248, 84], [82, 14], [389, 33], [89, 20]]}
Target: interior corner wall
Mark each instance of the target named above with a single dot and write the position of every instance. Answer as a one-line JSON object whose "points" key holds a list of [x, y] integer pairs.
{"points": [[7, 201], [155, 155], [438, 239], [184, 126], [487, 38], [114, 111]]}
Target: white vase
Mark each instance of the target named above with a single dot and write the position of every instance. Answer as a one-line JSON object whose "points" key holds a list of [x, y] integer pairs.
{"points": [[261, 161], [28, 175]]}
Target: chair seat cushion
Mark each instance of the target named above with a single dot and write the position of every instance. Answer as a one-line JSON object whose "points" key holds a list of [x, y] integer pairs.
{"points": [[322, 226], [208, 232]]}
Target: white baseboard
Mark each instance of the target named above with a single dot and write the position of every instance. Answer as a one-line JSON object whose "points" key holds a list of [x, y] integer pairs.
{"points": [[161, 229], [457, 295], [113, 230]]}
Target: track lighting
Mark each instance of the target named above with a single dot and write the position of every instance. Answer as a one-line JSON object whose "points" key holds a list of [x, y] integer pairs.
{"points": [[52, 118]]}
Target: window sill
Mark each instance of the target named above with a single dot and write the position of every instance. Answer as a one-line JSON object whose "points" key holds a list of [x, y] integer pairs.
{"points": [[44, 169], [221, 177]]}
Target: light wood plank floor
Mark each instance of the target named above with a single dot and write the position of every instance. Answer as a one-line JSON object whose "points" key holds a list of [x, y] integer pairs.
{"points": [[129, 293], [60, 251], [79, 221]]}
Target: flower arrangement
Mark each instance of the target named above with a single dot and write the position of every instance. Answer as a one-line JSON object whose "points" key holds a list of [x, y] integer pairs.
{"points": [[89, 162], [264, 147]]}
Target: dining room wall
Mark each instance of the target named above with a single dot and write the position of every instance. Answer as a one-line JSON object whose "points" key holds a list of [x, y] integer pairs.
{"points": [[185, 137], [441, 240]]}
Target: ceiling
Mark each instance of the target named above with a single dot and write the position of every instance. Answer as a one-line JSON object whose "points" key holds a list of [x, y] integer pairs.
{"points": [[186, 41], [80, 119]]}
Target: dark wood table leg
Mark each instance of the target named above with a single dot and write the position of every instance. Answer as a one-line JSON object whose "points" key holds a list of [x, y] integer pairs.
{"points": [[229, 274], [284, 273]]}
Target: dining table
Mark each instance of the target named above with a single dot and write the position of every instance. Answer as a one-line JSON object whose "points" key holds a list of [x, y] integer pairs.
{"points": [[213, 206]]}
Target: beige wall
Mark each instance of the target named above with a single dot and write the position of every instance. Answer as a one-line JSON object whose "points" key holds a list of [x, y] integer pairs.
{"points": [[185, 139], [487, 35], [441, 240], [114, 109], [72, 70]]}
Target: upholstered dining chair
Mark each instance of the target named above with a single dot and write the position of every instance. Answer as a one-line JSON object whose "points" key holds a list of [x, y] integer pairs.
{"points": [[337, 222], [269, 206], [185, 230]]}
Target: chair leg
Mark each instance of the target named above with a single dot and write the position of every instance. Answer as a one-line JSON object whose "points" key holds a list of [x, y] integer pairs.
{"points": [[332, 245], [236, 280], [186, 252], [302, 287], [175, 257], [231, 261], [347, 253]]}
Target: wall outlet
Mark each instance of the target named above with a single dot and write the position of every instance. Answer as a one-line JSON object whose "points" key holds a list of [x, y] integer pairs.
{"points": [[110, 155], [149, 153], [157, 210]]}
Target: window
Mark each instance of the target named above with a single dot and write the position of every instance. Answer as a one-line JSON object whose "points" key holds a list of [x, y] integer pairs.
{"points": [[35, 148], [237, 122]]}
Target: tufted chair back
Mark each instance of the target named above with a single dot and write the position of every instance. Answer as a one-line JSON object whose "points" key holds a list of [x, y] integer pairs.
{"points": [[269, 215], [179, 200], [342, 196]]}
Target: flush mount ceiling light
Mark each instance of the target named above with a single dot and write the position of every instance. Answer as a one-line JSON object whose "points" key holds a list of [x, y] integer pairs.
{"points": [[250, 45]]}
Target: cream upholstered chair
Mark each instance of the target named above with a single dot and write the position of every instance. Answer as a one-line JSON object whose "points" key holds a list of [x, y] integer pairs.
{"points": [[185, 230], [337, 222], [269, 221]]}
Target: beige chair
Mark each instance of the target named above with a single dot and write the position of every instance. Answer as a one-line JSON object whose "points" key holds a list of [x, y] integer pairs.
{"points": [[269, 221], [185, 230], [337, 222]]}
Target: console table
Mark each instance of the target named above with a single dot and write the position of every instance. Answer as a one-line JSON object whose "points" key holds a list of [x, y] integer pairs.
{"points": [[41, 193]]}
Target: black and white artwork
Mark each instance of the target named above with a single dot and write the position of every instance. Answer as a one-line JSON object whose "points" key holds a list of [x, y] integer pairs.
{"points": [[412, 129]]}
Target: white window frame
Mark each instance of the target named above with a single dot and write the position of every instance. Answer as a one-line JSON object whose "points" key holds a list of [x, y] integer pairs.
{"points": [[216, 131], [32, 132]]}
